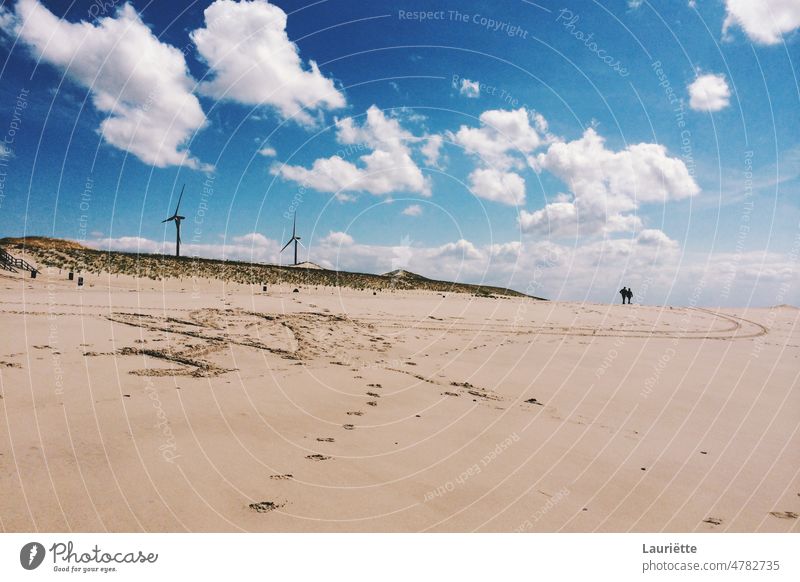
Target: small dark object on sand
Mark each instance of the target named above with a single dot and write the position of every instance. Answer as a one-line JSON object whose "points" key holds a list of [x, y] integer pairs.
{"points": [[264, 506], [317, 457], [296, 291], [533, 401]]}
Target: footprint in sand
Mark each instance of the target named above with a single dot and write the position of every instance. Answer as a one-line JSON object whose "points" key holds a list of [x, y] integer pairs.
{"points": [[348, 426], [372, 403], [783, 514], [373, 395], [265, 506], [355, 413], [317, 457], [325, 439], [713, 520], [282, 477]]}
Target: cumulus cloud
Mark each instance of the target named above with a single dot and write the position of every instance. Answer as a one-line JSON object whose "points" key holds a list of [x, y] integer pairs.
{"points": [[764, 21], [502, 144], [709, 92], [252, 61], [502, 137], [432, 150], [141, 83], [607, 187], [509, 250], [412, 210], [556, 219], [460, 249], [388, 168], [337, 238], [268, 151], [498, 186], [470, 89]]}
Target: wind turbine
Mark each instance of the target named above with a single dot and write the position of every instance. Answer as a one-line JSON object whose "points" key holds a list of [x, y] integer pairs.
{"points": [[177, 218], [295, 239]]}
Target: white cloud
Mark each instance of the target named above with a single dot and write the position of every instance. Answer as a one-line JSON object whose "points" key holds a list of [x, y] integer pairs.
{"points": [[709, 92], [252, 61], [254, 239], [505, 141], [408, 114], [510, 250], [470, 89], [556, 219], [634, 4], [7, 20], [764, 21], [656, 238], [337, 239], [460, 249], [412, 210], [607, 186], [268, 151], [503, 136], [497, 186], [388, 168], [431, 151], [142, 84]]}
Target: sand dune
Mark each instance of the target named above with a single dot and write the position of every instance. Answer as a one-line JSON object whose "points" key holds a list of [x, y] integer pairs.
{"points": [[203, 405]]}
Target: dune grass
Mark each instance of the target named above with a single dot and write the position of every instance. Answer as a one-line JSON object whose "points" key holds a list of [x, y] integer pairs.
{"points": [[70, 255]]}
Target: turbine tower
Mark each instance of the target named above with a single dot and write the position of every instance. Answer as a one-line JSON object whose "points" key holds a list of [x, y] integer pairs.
{"points": [[177, 218], [295, 239]]}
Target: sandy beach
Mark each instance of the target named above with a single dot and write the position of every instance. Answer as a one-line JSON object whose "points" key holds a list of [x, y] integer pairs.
{"points": [[181, 405]]}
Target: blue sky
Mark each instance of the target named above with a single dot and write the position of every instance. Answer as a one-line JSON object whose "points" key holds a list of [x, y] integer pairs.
{"points": [[564, 149]]}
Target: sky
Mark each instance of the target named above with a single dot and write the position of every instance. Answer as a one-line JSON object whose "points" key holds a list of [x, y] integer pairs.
{"points": [[563, 149]]}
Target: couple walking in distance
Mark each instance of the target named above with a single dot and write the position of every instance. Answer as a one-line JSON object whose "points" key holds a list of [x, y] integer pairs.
{"points": [[626, 294]]}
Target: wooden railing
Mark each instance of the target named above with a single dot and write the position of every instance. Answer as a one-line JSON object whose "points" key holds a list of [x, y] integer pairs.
{"points": [[11, 263]]}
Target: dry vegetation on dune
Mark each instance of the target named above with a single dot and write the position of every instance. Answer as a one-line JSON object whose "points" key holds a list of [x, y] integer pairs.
{"points": [[62, 254]]}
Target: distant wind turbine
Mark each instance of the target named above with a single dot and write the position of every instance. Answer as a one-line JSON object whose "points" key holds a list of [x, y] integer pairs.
{"points": [[295, 239], [177, 218]]}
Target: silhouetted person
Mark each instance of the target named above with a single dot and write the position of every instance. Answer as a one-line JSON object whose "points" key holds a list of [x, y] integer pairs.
{"points": [[624, 293], [629, 294]]}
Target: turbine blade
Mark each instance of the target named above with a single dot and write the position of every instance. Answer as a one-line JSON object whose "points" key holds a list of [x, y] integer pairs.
{"points": [[294, 224], [298, 242], [166, 220], [286, 245], [179, 200]]}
